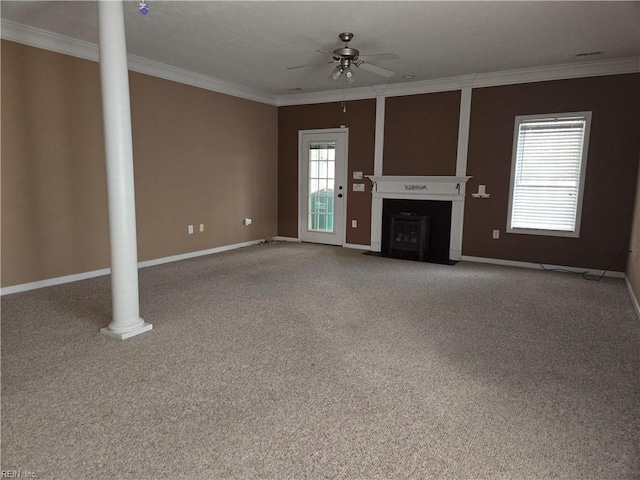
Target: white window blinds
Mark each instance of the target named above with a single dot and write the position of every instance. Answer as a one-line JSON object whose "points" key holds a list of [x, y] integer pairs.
{"points": [[547, 173]]}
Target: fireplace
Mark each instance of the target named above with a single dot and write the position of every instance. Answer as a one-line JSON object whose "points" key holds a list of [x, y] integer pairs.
{"points": [[435, 233], [408, 236], [444, 196]]}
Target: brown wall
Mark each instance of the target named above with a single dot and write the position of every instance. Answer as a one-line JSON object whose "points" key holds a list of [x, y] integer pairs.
{"points": [[611, 174], [421, 134], [204, 157], [360, 118], [199, 157]]}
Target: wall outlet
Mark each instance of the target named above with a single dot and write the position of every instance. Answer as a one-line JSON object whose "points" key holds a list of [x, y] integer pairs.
{"points": [[358, 187], [190, 229], [202, 227], [354, 223], [496, 234]]}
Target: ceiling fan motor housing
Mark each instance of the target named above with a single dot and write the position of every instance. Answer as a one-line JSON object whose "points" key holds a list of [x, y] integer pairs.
{"points": [[347, 52]]}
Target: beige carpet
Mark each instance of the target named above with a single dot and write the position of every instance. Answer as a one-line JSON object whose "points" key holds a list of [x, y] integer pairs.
{"points": [[301, 361]]}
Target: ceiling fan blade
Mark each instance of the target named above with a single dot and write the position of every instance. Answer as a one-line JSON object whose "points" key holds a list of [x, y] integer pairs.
{"points": [[326, 52], [309, 65], [376, 69], [382, 56]]}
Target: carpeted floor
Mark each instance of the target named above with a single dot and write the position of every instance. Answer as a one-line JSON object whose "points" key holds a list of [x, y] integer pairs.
{"points": [[295, 361]]}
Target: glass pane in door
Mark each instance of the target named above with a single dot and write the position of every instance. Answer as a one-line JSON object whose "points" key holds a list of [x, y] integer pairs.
{"points": [[322, 168]]}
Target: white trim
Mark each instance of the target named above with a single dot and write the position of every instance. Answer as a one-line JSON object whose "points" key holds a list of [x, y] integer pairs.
{"points": [[379, 136], [439, 188], [106, 271], [357, 246], [463, 131], [54, 42], [25, 287], [347, 95], [634, 300], [616, 66], [35, 37], [287, 239], [199, 253], [536, 266], [144, 327], [575, 233], [341, 135], [167, 72]]}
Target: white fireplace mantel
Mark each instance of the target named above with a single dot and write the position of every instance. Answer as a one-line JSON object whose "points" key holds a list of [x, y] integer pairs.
{"points": [[439, 188]]}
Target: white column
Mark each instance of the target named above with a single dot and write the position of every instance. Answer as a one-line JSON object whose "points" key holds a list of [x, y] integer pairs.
{"points": [[379, 137], [457, 208], [376, 202], [116, 114], [463, 127]]}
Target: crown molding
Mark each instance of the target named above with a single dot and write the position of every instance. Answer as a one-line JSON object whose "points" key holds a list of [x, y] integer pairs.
{"points": [[167, 72], [54, 42], [61, 44], [348, 94], [616, 66]]}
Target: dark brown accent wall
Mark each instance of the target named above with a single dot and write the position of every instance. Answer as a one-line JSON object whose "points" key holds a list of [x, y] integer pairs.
{"points": [[199, 157], [421, 134], [360, 118], [612, 168]]}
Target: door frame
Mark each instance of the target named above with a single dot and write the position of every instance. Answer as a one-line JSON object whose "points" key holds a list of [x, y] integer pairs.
{"points": [[302, 213]]}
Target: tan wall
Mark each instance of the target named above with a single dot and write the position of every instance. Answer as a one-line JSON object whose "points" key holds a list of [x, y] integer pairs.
{"points": [[633, 260], [360, 118], [610, 184], [199, 157]]}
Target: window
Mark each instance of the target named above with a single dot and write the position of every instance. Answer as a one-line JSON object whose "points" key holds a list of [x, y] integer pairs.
{"points": [[547, 174]]}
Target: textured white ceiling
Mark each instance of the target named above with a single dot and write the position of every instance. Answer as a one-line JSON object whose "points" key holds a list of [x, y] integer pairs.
{"points": [[252, 43]]}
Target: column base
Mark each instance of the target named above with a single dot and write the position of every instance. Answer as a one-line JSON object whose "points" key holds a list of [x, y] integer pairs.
{"points": [[124, 335]]}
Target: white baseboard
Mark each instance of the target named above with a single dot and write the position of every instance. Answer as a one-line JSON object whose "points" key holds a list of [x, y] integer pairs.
{"points": [[536, 266], [357, 246], [49, 282], [199, 253], [25, 287], [286, 239], [634, 300], [346, 245]]}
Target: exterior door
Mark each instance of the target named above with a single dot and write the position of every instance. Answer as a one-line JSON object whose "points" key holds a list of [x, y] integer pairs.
{"points": [[322, 199]]}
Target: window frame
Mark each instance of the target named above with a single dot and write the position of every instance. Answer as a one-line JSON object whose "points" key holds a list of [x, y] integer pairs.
{"points": [[519, 119]]}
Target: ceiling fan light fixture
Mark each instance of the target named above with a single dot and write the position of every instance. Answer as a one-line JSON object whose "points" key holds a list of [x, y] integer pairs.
{"points": [[349, 75], [337, 73]]}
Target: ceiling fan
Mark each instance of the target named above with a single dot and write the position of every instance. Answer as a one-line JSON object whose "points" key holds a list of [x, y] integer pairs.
{"points": [[347, 57]]}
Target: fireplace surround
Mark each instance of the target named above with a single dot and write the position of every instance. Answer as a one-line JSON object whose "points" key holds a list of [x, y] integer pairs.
{"points": [[440, 188]]}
